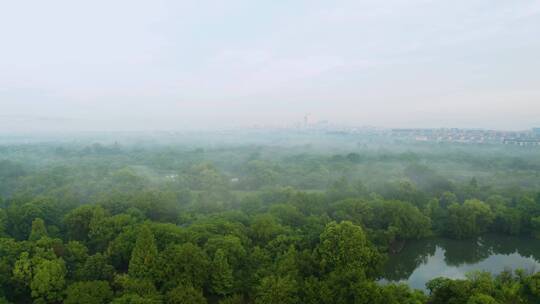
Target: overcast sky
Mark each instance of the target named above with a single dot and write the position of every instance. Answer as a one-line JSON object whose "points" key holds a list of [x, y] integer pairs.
{"points": [[146, 65]]}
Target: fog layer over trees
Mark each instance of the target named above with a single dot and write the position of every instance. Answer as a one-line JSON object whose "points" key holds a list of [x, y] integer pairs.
{"points": [[266, 218]]}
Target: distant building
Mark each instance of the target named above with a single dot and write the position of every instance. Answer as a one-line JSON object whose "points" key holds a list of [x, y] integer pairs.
{"points": [[522, 142], [470, 136]]}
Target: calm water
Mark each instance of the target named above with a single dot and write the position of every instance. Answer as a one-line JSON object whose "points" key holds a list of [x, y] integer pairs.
{"points": [[423, 260]]}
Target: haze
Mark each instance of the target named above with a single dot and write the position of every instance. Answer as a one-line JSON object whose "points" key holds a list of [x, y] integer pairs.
{"points": [[149, 65]]}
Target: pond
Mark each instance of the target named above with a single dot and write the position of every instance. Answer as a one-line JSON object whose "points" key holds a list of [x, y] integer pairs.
{"points": [[423, 260]]}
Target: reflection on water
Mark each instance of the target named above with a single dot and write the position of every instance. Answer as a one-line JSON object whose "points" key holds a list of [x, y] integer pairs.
{"points": [[423, 260]]}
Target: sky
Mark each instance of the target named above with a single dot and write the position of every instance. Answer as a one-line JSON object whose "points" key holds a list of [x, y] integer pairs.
{"points": [[127, 65]]}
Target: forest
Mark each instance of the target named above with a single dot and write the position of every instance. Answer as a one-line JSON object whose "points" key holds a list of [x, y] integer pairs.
{"points": [[289, 219]]}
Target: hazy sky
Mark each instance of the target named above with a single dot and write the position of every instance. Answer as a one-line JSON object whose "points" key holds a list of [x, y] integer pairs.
{"points": [[144, 65]]}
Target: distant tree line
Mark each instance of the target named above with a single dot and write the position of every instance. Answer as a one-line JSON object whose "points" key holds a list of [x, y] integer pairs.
{"points": [[107, 224]]}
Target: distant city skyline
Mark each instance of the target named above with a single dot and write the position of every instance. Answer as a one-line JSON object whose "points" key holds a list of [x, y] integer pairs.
{"points": [[183, 65], [58, 125]]}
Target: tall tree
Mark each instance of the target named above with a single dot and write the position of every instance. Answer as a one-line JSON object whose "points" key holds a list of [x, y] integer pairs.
{"points": [[3, 221], [277, 290], [184, 264], [471, 218], [49, 280], [222, 274], [91, 292], [144, 255], [95, 268], [185, 294], [345, 245], [38, 230]]}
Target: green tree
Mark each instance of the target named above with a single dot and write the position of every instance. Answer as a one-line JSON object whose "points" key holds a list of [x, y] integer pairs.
{"points": [[144, 256], [473, 183], [533, 285], [234, 299], [103, 229], [401, 220], [23, 270], [75, 254], [135, 299], [470, 219], [345, 245], [259, 173], [78, 221], [120, 248], [535, 224], [185, 264], [232, 248], [447, 291], [20, 216], [38, 230], [222, 274], [49, 280], [4, 301], [89, 292], [185, 294], [397, 294], [447, 198], [264, 227], [277, 290], [341, 285], [460, 222], [134, 288], [95, 268], [481, 299], [3, 221], [287, 263]]}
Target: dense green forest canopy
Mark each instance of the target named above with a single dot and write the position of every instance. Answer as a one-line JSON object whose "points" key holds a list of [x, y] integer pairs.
{"points": [[290, 218]]}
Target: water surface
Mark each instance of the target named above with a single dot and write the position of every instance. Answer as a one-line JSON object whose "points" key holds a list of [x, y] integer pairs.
{"points": [[423, 260]]}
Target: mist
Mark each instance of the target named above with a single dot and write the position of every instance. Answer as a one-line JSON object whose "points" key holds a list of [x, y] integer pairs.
{"points": [[263, 152]]}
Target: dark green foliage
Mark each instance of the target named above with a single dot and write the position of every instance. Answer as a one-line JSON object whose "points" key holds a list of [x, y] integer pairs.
{"points": [[185, 294], [184, 264], [345, 245], [277, 290], [221, 274], [235, 299], [75, 255], [144, 256], [90, 292], [78, 221], [48, 280], [469, 219], [126, 285], [135, 299], [148, 223], [95, 267], [3, 222], [38, 230]]}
